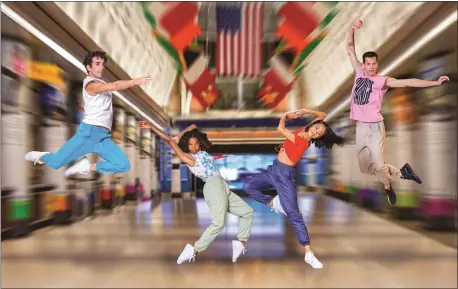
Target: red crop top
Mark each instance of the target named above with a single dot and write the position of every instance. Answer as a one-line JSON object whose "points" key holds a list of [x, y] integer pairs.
{"points": [[295, 150]]}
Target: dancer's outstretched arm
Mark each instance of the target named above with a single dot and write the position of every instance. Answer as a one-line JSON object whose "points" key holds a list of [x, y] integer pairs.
{"points": [[351, 45], [95, 87], [184, 157], [318, 114], [161, 134], [281, 125], [296, 114], [414, 82], [178, 137]]}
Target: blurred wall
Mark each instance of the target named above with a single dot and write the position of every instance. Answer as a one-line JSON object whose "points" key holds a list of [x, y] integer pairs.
{"points": [[329, 66], [121, 29]]}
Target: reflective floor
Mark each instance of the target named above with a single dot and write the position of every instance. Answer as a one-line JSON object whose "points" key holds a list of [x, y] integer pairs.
{"points": [[135, 248]]}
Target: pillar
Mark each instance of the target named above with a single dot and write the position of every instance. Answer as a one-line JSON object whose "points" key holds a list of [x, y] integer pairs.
{"points": [[438, 141], [118, 137], [18, 205], [138, 164], [145, 161], [131, 152], [14, 179], [176, 176], [401, 150]]}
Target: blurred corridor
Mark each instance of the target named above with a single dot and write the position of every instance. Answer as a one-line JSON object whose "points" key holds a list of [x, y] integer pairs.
{"points": [[128, 249], [127, 230]]}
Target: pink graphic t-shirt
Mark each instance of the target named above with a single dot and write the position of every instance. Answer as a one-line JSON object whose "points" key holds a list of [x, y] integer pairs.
{"points": [[367, 96]]}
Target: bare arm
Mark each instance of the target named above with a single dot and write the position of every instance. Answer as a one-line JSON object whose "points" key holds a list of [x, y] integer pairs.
{"points": [[351, 45], [414, 82], [94, 87], [283, 130], [318, 114], [180, 135], [161, 134], [184, 157]]}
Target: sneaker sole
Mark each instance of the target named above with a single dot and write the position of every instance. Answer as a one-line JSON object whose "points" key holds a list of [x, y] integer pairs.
{"points": [[388, 197], [414, 178], [316, 267], [182, 262], [67, 173]]}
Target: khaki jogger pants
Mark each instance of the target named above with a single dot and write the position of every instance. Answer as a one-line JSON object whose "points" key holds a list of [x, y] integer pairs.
{"points": [[370, 147], [221, 200]]}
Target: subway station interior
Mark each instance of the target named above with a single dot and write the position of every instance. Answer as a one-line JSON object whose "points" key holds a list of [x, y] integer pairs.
{"points": [[210, 64]]}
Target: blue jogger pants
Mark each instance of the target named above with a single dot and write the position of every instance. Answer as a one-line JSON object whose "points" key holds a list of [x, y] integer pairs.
{"points": [[90, 139], [283, 178]]}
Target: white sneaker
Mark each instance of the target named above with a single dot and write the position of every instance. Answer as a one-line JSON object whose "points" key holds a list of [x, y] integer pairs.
{"points": [[187, 255], [35, 157], [81, 167], [276, 206], [312, 260], [237, 250]]}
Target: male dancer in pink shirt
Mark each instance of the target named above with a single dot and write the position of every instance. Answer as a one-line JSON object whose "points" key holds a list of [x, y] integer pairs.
{"points": [[366, 103]]}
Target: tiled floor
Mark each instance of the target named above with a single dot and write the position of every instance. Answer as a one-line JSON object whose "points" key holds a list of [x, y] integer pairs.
{"points": [[137, 248]]}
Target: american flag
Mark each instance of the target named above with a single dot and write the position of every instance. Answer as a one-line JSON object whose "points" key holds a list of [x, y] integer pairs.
{"points": [[239, 39]]}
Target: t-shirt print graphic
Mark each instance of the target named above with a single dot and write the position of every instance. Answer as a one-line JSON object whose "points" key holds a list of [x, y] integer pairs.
{"points": [[363, 91]]}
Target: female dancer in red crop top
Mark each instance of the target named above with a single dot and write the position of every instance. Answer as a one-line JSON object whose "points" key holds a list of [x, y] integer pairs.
{"points": [[282, 173]]}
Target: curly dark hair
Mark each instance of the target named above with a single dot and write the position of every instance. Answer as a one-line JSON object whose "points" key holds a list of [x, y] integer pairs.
{"points": [[205, 144], [88, 59], [329, 137]]}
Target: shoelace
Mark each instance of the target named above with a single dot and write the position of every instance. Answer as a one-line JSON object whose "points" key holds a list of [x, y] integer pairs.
{"points": [[407, 176], [243, 251], [193, 259]]}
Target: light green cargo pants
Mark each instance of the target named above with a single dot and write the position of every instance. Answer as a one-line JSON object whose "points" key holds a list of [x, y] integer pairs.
{"points": [[221, 201]]}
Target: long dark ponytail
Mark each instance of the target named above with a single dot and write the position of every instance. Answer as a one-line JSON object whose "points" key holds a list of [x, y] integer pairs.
{"points": [[329, 137]]}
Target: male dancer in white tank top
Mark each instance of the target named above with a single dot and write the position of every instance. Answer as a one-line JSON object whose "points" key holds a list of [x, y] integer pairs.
{"points": [[94, 132]]}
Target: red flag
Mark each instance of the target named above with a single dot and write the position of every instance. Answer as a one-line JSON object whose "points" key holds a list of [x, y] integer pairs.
{"points": [[274, 89], [177, 22], [299, 21], [203, 89], [178, 16], [277, 83]]}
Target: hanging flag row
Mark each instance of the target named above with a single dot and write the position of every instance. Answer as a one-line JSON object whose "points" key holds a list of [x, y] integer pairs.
{"points": [[302, 28], [175, 28]]}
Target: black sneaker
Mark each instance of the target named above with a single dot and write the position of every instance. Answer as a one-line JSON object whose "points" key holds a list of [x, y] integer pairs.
{"points": [[409, 174], [391, 195]]}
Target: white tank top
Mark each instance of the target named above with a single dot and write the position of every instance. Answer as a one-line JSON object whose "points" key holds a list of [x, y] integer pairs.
{"points": [[98, 109]]}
